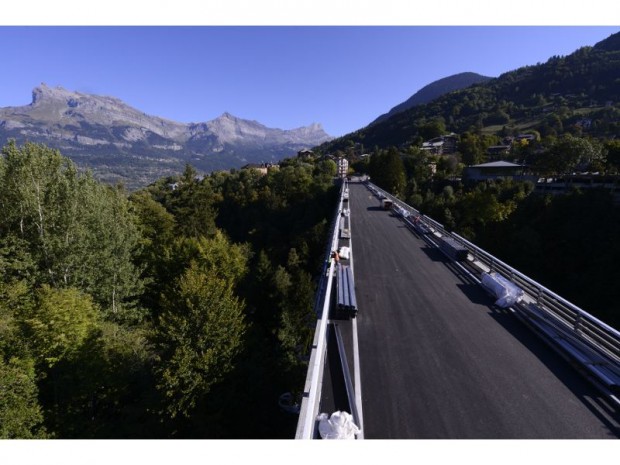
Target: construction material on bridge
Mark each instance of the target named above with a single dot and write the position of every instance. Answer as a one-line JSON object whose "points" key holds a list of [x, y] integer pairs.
{"points": [[418, 225], [345, 228], [506, 292], [337, 426], [346, 303], [453, 249]]}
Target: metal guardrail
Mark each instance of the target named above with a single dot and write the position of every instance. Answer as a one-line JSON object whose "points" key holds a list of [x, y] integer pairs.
{"points": [[575, 321], [306, 425]]}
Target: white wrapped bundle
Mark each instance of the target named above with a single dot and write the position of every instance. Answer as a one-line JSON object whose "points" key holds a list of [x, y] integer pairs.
{"points": [[506, 292]]}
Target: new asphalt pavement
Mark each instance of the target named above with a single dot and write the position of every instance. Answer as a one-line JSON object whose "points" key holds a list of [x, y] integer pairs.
{"points": [[437, 360]]}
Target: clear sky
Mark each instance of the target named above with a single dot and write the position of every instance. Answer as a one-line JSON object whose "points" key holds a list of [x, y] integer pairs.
{"points": [[282, 76]]}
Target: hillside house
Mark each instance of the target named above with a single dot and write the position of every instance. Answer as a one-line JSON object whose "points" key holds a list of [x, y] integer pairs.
{"points": [[442, 145], [262, 168], [496, 170], [343, 167], [498, 152], [305, 154], [564, 184], [527, 137]]}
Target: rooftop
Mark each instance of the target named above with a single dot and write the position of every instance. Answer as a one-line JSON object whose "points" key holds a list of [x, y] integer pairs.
{"points": [[497, 164]]}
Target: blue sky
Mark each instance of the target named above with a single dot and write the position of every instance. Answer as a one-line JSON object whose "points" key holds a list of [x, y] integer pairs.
{"points": [[282, 76]]}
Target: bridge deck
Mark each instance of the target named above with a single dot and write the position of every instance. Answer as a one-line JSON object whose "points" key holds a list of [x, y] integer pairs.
{"points": [[438, 361]]}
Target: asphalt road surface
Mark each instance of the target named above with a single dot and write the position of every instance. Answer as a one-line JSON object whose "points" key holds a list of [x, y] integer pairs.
{"points": [[438, 361]]}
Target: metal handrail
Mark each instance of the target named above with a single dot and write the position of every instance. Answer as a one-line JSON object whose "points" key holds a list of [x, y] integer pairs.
{"points": [[312, 390]]}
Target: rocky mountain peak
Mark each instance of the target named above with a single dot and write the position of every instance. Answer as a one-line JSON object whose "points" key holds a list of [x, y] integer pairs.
{"points": [[44, 93]]}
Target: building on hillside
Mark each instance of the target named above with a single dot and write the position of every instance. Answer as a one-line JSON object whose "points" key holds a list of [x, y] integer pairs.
{"points": [[343, 167], [305, 154], [527, 137], [442, 145], [434, 146], [497, 170], [564, 184], [498, 152], [584, 123], [262, 168]]}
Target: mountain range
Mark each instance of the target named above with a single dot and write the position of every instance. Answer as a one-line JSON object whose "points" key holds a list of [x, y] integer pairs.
{"points": [[120, 143]]}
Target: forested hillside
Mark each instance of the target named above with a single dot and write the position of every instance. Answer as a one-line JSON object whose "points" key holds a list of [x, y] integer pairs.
{"points": [[178, 313], [551, 98], [435, 89]]}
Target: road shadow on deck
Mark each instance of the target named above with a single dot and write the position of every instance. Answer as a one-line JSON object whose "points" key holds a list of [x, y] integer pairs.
{"points": [[435, 254], [475, 294], [564, 370], [569, 375]]}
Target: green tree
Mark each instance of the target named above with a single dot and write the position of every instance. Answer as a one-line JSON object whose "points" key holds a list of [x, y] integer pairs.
{"points": [[78, 232], [60, 322], [192, 205], [297, 317], [106, 389], [215, 256], [326, 170], [432, 129], [197, 337], [613, 156], [21, 417], [568, 154], [388, 171], [157, 232]]}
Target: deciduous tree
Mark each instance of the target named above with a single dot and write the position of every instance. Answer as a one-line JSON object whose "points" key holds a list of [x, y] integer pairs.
{"points": [[198, 336]]}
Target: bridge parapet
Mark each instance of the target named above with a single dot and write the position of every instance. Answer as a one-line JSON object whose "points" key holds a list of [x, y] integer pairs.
{"points": [[307, 424]]}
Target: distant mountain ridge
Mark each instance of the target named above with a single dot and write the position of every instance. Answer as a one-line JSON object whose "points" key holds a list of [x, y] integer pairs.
{"points": [[121, 143], [434, 90]]}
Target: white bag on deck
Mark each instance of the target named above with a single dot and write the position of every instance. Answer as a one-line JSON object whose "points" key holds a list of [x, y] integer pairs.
{"points": [[339, 426], [344, 252]]}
